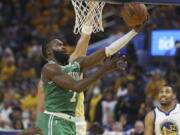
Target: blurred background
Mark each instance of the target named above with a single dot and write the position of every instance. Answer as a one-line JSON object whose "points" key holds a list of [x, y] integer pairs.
{"points": [[120, 100]]}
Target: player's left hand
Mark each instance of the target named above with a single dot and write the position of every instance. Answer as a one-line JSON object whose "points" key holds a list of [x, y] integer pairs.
{"points": [[32, 131], [134, 14], [138, 28]]}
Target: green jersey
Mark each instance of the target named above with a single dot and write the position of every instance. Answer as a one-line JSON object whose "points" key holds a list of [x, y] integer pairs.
{"points": [[58, 99]]}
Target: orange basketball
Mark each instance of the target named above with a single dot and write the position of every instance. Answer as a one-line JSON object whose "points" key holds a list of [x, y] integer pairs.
{"points": [[134, 14]]}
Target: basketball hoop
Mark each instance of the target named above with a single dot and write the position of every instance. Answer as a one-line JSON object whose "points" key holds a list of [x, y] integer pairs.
{"points": [[88, 16]]}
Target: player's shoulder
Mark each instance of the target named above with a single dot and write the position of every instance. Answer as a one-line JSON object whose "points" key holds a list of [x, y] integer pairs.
{"points": [[50, 65], [178, 106], [150, 116], [50, 68]]}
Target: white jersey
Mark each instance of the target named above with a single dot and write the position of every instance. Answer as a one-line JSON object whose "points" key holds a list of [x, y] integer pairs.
{"points": [[167, 123]]}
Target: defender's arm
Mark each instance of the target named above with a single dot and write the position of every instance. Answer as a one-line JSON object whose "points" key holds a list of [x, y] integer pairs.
{"points": [[81, 47]]}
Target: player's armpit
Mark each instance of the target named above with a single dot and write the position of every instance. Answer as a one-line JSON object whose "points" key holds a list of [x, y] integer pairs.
{"points": [[149, 124]]}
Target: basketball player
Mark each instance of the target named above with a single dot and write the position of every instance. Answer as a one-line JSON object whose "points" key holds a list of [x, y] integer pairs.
{"points": [[111, 50], [61, 83], [165, 119], [80, 50]]}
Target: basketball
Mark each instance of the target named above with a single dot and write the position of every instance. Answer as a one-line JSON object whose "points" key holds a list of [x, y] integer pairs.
{"points": [[134, 14]]}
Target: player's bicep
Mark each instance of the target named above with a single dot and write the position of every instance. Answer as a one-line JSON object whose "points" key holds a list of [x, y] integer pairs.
{"points": [[149, 124], [55, 74], [92, 60]]}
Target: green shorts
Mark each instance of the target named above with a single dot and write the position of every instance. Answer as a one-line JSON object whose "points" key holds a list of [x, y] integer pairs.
{"points": [[53, 125]]}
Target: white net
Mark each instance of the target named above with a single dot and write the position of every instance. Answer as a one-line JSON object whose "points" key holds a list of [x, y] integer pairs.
{"points": [[88, 13]]}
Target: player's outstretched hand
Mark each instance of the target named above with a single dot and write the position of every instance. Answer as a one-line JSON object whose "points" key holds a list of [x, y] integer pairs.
{"points": [[134, 14], [116, 62], [32, 131], [138, 28]]}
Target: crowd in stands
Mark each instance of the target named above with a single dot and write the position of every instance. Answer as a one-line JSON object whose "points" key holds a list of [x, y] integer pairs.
{"points": [[118, 102]]}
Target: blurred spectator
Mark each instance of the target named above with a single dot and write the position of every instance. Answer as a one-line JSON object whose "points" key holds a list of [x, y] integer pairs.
{"points": [[109, 122], [121, 86], [128, 104], [17, 124], [12, 95], [138, 128], [96, 97], [5, 125], [29, 118], [137, 76], [117, 127], [29, 102], [2, 91], [6, 111], [26, 71], [146, 107], [96, 129], [155, 82], [8, 66], [7, 56], [124, 123], [108, 106], [16, 114], [105, 106]]}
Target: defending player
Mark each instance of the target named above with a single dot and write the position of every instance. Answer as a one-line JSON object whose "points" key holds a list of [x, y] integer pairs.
{"points": [[165, 119]]}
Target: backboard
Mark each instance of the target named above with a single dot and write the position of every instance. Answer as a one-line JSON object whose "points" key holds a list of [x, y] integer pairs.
{"points": [[158, 2]]}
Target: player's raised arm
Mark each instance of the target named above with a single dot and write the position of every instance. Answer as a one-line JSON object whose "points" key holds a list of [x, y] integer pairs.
{"points": [[51, 72], [133, 9], [135, 16], [86, 31], [81, 47], [95, 58], [149, 124]]}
